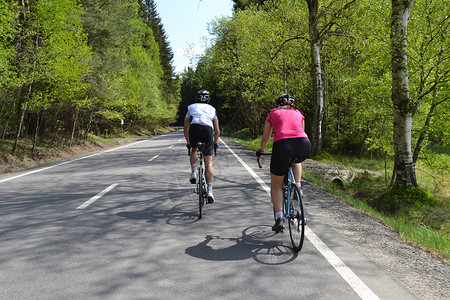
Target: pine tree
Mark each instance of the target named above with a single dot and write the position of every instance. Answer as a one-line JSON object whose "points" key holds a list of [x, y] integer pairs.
{"points": [[169, 88]]}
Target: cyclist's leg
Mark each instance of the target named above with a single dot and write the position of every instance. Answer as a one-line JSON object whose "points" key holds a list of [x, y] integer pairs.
{"points": [[209, 169], [276, 193], [297, 170], [279, 164], [207, 139], [209, 178], [193, 159], [302, 148]]}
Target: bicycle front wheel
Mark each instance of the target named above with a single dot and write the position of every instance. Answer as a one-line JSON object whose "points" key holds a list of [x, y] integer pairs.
{"points": [[296, 219], [201, 192]]}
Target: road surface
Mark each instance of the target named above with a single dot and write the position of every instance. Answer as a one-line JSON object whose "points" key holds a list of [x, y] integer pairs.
{"points": [[122, 224]]}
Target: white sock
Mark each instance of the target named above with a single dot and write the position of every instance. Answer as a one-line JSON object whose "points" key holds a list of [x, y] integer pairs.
{"points": [[210, 187], [193, 168]]}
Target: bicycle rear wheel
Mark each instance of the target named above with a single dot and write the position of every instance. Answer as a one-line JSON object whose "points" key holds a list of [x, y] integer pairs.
{"points": [[201, 188], [296, 219]]}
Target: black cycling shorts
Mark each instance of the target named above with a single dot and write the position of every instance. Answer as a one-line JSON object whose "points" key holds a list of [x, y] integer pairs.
{"points": [[286, 150], [204, 134]]}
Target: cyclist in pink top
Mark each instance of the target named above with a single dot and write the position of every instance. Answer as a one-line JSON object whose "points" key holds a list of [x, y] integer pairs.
{"points": [[290, 143]]}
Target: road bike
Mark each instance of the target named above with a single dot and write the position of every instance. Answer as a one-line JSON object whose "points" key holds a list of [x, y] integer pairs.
{"points": [[200, 182], [292, 207]]}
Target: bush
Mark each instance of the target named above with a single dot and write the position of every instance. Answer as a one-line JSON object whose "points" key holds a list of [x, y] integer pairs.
{"points": [[399, 198]]}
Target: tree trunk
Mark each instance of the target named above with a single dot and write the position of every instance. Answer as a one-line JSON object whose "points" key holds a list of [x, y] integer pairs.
{"points": [[404, 173], [316, 76], [74, 126], [36, 134], [20, 125]]}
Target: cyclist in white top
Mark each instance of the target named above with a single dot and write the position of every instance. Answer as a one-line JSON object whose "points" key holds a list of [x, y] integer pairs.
{"points": [[202, 125]]}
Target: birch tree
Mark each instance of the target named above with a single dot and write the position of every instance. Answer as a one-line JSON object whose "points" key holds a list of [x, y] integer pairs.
{"points": [[334, 10], [404, 174]]}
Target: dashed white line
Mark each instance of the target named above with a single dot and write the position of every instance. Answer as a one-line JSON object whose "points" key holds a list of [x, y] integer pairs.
{"points": [[68, 162], [346, 273], [171, 147], [96, 197], [153, 158]]}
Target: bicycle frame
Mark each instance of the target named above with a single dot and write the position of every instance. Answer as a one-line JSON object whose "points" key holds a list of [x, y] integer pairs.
{"points": [[200, 186], [288, 180]]}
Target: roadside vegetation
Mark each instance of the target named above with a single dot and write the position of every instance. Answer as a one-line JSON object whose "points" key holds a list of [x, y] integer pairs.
{"points": [[421, 216], [31, 154]]}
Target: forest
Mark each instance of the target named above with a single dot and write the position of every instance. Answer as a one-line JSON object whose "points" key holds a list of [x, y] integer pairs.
{"points": [[371, 76], [70, 68]]}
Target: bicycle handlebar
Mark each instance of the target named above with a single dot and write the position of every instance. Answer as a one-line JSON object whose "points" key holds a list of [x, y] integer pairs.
{"points": [[259, 154]]}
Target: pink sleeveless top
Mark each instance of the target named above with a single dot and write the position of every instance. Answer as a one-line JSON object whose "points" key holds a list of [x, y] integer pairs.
{"points": [[286, 123]]}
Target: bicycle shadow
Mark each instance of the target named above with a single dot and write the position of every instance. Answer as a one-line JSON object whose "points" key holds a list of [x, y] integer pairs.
{"points": [[181, 214], [257, 242]]}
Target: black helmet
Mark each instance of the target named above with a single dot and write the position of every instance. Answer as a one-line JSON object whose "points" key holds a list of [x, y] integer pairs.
{"points": [[203, 96], [284, 100]]}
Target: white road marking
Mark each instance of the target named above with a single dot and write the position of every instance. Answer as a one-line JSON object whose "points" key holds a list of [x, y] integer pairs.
{"points": [[356, 284], [153, 158], [67, 162], [96, 197], [346, 273], [171, 147]]}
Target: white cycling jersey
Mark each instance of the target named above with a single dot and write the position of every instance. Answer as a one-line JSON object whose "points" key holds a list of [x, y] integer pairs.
{"points": [[202, 114]]}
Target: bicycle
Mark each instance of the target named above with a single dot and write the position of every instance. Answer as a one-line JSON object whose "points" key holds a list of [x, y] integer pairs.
{"points": [[200, 182], [292, 207]]}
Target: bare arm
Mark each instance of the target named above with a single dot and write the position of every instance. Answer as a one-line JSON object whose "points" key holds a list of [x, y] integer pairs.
{"points": [[216, 130], [266, 135], [186, 129]]}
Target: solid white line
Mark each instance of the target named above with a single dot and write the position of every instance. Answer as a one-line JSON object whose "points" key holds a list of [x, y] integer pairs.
{"points": [[68, 162], [96, 197], [346, 273], [259, 180], [357, 284], [153, 158]]}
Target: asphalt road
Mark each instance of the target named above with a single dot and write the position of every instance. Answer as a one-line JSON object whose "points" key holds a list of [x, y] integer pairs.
{"points": [[122, 224]]}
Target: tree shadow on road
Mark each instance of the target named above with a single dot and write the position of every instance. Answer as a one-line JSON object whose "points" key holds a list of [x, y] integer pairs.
{"points": [[257, 242]]}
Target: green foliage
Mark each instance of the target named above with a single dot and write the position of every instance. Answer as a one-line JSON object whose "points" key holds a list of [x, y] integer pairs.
{"points": [[397, 198], [244, 137], [253, 61], [68, 69], [263, 51], [8, 15]]}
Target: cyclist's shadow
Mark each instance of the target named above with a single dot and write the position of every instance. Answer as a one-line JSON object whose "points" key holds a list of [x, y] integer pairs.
{"points": [[256, 242]]}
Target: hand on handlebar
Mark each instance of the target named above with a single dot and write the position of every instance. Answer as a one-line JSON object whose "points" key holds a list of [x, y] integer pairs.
{"points": [[259, 153]]}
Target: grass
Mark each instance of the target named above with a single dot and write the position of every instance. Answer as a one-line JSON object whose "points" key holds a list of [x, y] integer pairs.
{"points": [[421, 217]]}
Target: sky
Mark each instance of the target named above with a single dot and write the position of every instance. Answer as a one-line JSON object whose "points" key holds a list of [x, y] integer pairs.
{"points": [[186, 25]]}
